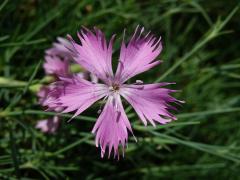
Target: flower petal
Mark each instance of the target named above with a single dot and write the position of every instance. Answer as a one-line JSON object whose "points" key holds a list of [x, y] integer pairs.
{"points": [[112, 127], [56, 66], [48, 96], [79, 94], [42, 94], [138, 55], [151, 102], [94, 54], [61, 49]]}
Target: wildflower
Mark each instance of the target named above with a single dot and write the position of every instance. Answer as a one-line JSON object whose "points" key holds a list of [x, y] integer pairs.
{"points": [[57, 63], [51, 124], [151, 102], [55, 66]]}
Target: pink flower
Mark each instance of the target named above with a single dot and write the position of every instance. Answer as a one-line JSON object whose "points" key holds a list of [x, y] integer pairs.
{"points": [[51, 124], [48, 125], [151, 102], [48, 96], [57, 63], [58, 58], [54, 65]]}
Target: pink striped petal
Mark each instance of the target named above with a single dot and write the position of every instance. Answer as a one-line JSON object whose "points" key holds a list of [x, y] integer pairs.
{"points": [[151, 102], [61, 49], [94, 54], [79, 94], [138, 55], [54, 65], [48, 96], [112, 127]]}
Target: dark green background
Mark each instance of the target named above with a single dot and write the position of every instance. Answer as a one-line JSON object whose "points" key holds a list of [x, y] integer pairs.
{"points": [[201, 54]]}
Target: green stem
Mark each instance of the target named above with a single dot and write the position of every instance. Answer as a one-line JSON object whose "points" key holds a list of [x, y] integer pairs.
{"points": [[14, 151], [30, 112], [73, 145], [210, 112]]}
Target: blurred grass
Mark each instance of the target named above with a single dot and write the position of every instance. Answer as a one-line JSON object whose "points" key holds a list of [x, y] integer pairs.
{"points": [[201, 54]]}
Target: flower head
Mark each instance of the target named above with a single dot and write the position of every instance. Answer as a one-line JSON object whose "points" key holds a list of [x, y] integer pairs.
{"points": [[57, 63], [151, 102]]}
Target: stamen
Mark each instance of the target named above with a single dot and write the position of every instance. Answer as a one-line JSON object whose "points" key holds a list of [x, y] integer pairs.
{"points": [[114, 87]]}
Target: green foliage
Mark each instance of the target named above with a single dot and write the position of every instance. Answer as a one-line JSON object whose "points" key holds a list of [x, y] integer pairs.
{"points": [[201, 54]]}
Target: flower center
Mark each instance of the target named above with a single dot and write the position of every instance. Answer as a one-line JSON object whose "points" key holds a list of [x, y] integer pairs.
{"points": [[114, 87]]}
